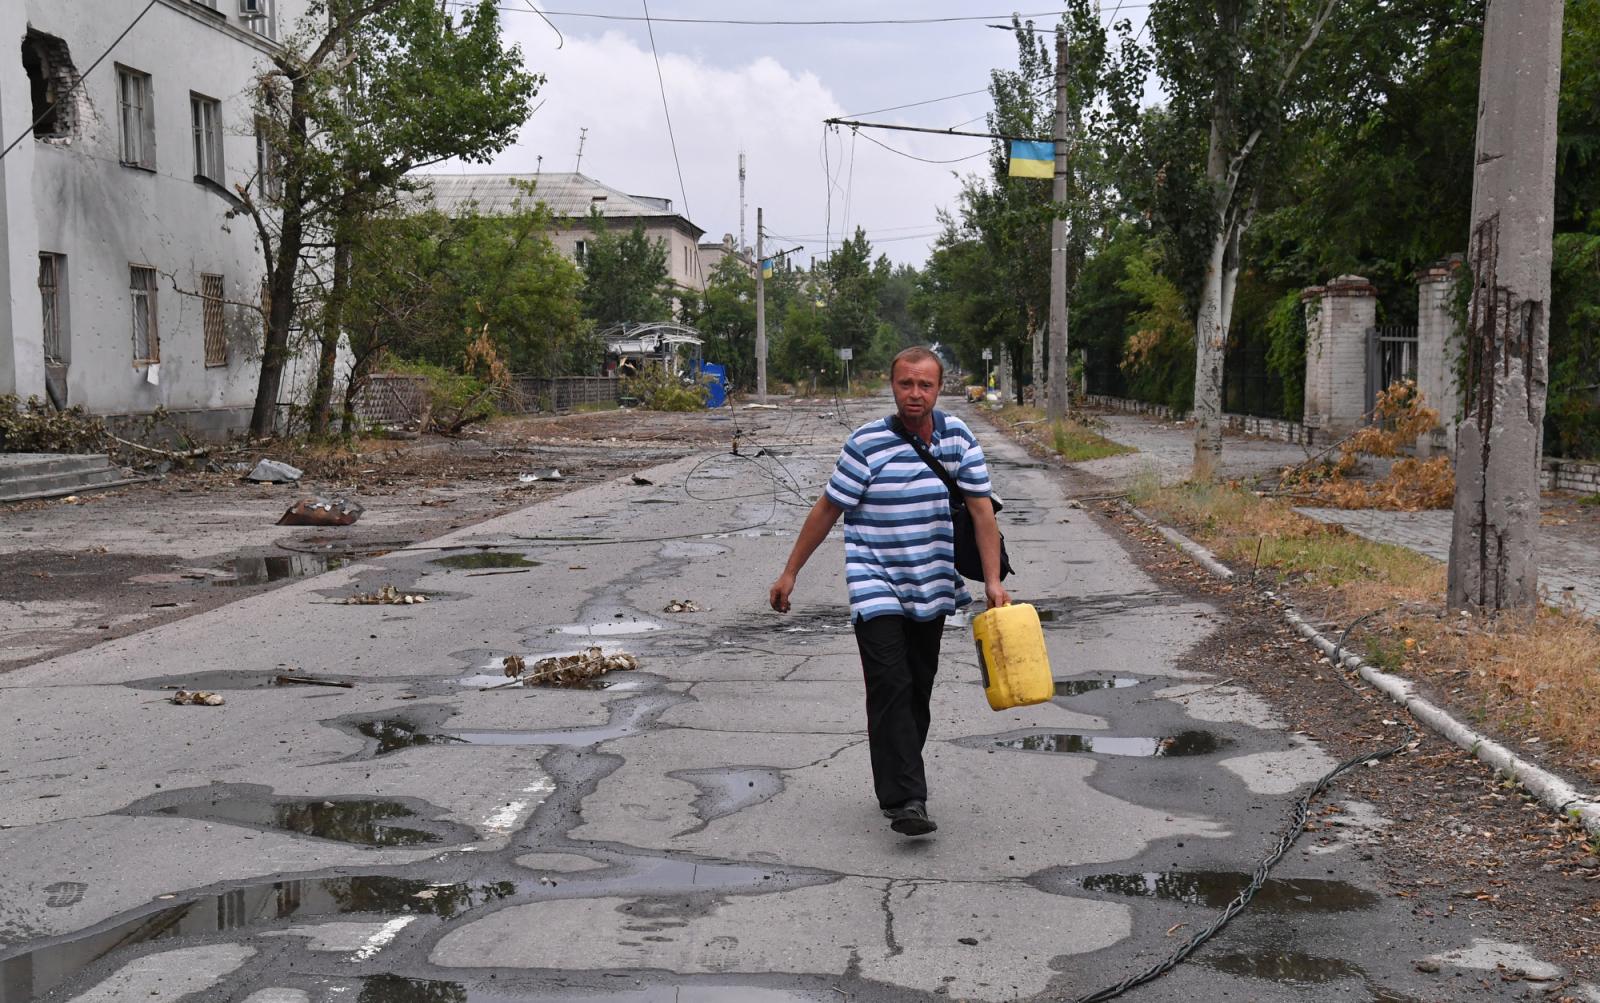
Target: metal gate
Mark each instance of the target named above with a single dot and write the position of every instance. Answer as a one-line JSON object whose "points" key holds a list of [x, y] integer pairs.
{"points": [[1391, 356]]}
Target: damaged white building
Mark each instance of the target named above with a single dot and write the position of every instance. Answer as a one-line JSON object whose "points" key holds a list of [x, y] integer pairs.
{"points": [[123, 287]]}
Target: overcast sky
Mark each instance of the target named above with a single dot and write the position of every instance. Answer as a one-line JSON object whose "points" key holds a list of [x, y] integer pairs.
{"points": [[765, 90]]}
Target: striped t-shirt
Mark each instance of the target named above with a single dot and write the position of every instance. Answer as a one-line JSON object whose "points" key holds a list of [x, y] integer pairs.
{"points": [[899, 545]]}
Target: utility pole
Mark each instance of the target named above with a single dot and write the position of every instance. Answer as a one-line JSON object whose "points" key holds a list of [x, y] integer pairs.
{"points": [[1057, 408], [761, 307], [1499, 441]]}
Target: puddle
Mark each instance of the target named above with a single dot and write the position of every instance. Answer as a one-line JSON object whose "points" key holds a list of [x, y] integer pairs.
{"points": [[1215, 889], [628, 718], [392, 736], [609, 629], [485, 559], [1287, 967], [34, 973], [367, 823], [389, 988], [1078, 687], [635, 877], [261, 570], [725, 791], [1184, 743]]}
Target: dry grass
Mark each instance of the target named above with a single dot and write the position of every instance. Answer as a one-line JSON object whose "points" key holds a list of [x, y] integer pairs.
{"points": [[1074, 440], [1401, 418], [1527, 677]]}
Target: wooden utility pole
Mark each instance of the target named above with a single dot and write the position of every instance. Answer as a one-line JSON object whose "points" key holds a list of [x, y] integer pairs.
{"points": [[1498, 444], [761, 313], [1057, 407]]}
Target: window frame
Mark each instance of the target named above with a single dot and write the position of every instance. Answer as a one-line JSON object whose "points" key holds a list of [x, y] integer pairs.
{"points": [[205, 122], [212, 305], [52, 305], [143, 300], [136, 123], [269, 165]]}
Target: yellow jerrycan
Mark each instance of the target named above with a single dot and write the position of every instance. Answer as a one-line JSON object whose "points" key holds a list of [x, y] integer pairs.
{"points": [[1011, 656]]}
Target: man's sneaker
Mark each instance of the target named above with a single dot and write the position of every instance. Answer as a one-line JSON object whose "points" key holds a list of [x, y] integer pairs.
{"points": [[910, 819]]}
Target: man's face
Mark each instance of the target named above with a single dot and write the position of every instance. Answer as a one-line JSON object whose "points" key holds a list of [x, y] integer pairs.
{"points": [[916, 385]]}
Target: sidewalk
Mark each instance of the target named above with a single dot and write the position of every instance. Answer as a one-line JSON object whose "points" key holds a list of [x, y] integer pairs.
{"points": [[1569, 536]]}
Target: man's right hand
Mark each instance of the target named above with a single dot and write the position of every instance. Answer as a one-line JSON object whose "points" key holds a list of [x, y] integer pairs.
{"points": [[779, 594]]}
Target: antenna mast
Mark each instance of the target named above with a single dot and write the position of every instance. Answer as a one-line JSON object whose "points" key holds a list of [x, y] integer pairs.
{"points": [[741, 202], [583, 134]]}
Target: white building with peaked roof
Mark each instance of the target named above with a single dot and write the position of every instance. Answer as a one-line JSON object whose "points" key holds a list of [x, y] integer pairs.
{"points": [[122, 285], [571, 197]]}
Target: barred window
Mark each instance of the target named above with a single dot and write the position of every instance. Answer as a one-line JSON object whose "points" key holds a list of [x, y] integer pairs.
{"points": [[211, 287], [142, 293], [51, 275]]}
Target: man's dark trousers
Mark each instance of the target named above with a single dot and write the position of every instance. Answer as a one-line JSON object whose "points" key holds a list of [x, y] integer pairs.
{"points": [[899, 658]]}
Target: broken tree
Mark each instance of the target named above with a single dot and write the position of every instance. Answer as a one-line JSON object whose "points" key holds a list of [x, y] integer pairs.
{"points": [[1498, 444]]}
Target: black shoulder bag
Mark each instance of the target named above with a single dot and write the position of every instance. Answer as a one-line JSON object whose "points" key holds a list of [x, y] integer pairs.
{"points": [[969, 561]]}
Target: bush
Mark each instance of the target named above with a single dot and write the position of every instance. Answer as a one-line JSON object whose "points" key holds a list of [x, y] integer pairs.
{"points": [[658, 390], [34, 427]]}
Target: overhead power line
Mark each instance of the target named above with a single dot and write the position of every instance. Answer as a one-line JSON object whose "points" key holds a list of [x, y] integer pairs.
{"points": [[683, 190], [789, 22], [919, 104], [913, 156], [937, 132]]}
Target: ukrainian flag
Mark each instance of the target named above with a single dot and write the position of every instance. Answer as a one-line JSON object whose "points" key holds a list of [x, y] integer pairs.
{"points": [[766, 268], [1032, 159]]}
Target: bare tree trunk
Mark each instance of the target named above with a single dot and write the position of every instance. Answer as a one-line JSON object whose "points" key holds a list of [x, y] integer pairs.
{"points": [[1493, 564], [1210, 334], [282, 276]]}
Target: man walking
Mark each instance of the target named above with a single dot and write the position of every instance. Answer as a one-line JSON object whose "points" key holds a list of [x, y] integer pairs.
{"points": [[900, 563]]}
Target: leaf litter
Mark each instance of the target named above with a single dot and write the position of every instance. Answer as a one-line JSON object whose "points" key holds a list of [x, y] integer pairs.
{"points": [[386, 596], [567, 670]]}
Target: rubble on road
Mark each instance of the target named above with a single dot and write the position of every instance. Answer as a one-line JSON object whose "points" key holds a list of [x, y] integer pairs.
{"points": [[682, 606], [273, 472], [386, 596], [198, 698], [568, 670], [540, 474], [322, 512]]}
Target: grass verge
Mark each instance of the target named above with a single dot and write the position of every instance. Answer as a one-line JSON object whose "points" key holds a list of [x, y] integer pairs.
{"points": [[1074, 440], [1533, 679]]}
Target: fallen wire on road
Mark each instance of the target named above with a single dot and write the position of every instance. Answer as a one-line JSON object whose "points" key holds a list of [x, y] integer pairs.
{"points": [[1297, 824]]}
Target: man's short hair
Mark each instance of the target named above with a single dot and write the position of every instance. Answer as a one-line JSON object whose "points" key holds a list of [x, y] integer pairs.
{"points": [[915, 354]]}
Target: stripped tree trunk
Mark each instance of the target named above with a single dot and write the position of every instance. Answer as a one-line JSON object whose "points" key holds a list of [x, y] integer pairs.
{"points": [[1496, 515]]}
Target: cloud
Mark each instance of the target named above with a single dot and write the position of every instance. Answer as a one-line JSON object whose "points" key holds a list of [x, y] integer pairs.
{"points": [[607, 84]]}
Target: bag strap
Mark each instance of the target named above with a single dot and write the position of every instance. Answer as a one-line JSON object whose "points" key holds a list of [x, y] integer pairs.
{"points": [[899, 428]]}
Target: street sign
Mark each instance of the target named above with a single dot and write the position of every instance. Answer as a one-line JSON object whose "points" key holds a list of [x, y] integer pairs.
{"points": [[847, 354], [987, 354]]}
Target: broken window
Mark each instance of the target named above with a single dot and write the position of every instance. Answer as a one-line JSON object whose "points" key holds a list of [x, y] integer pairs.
{"points": [[142, 292], [206, 117], [136, 117], [211, 287], [52, 273], [51, 80]]}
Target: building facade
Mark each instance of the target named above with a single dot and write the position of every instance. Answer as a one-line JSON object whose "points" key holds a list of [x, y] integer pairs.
{"points": [[570, 198], [123, 286]]}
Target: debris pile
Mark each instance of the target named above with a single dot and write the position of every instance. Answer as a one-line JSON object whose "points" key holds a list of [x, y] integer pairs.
{"points": [[682, 606], [568, 670], [321, 512], [386, 596], [199, 698]]}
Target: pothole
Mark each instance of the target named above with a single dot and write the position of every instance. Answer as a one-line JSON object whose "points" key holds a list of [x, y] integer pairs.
{"points": [[244, 571], [1184, 743], [1287, 967], [33, 973], [1215, 889], [363, 822], [1078, 687], [394, 735], [485, 559]]}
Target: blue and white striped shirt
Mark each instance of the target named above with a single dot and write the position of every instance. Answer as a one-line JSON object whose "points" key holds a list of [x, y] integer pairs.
{"points": [[899, 545]]}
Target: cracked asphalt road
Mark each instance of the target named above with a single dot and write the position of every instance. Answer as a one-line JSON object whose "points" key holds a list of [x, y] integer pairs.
{"points": [[701, 830]]}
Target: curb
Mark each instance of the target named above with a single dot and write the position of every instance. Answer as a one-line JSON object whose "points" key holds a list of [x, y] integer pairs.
{"points": [[1552, 791]]}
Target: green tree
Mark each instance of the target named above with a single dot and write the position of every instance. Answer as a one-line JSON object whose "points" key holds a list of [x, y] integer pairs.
{"points": [[851, 318], [727, 319], [626, 277], [360, 93]]}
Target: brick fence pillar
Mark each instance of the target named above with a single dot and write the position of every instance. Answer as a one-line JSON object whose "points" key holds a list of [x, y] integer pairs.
{"points": [[1338, 317], [1439, 347]]}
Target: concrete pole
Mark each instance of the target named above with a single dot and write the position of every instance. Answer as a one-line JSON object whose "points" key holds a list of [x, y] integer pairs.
{"points": [[1492, 560], [1057, 406], [761, 316]]}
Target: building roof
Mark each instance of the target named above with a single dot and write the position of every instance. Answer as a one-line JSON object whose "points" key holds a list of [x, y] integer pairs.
{"points": [[569, 196]]}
